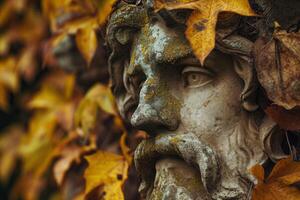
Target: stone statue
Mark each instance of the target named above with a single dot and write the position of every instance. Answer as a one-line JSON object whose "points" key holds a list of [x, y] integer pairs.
{"points": [[206, 128]]}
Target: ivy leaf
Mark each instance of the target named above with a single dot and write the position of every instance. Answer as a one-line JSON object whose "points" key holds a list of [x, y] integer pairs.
{"points": [[202, 22], [279, 184], [108, 172]]}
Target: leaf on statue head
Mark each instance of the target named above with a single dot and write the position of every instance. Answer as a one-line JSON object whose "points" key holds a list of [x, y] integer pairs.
{"points": [[108, 172], [87, 43], [277, 66], [201, 24], [279, 184]]}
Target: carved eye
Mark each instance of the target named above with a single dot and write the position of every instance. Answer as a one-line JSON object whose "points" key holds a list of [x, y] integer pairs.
{"points": [[196, 76]]}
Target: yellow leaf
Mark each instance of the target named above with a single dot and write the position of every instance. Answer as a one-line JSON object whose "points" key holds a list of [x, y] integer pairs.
{"points": [[87, 43], [107, 170], [8, 155], [125, 149], [46, 98], [4, 44], [36, 152], [201, 24], [103, 96], [105, 8], [86, 115], [278, 185], [98, 97], [9, 74], [3, 98]]}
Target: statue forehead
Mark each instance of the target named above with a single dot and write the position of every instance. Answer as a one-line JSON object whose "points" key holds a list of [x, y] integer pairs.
{"points": [[157, 44], [152, 39]]}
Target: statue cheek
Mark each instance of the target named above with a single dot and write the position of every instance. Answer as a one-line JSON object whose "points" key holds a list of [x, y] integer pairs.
{"points": [[208, 112]]}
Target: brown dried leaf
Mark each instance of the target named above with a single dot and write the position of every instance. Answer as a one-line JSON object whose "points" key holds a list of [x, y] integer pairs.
{"points": [[277, 66], [278, 185], [286, 119], [202, 22], [69, 155]]}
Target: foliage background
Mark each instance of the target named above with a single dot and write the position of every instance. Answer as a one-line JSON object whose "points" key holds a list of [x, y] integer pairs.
{"points": [[60, 134], [61, 137]]}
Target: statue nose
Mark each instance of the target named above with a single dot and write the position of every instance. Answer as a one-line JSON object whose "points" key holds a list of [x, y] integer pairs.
{"points": [[157, 108]]}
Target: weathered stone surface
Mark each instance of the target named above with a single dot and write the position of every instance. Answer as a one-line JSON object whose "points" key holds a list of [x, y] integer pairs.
{"points": [[205, 124]]}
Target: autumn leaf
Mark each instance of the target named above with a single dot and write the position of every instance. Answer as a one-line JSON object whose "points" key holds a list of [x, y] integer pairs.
{"points": [[68, 156], [286, 119], [93, 14], [277, 65], [107, 170], [105, 8], [98, 98], [279, 184], [201, 24], [86, 41], [9, 80], [8, 155]]}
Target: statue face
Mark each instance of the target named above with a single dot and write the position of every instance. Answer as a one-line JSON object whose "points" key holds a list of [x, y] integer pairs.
{"points": [[201, 140]]}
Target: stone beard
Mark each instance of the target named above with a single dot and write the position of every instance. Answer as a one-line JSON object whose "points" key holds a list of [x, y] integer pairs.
{"points": [[205, 127]]}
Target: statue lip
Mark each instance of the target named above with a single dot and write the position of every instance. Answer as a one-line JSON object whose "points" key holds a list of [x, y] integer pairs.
{"points": [[185, 146]]}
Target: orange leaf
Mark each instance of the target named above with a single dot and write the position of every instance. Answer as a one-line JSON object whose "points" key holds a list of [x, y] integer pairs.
{"points": [[278, 185]]}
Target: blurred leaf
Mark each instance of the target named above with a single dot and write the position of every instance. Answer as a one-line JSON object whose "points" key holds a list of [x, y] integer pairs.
{"points": [[278, 185], [125, 149], [98, 97], [9, 80], [202, 22], [105, 8], [108, 171], [86, 40], [9, 140], [69, 155]]}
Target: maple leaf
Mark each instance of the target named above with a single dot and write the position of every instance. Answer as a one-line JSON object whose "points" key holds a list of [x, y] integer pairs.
{"points": [[107, 170], [279, 184], [201, 24]]}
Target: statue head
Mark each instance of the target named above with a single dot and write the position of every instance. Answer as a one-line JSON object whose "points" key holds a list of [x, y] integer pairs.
{"points": [[206, 129]]}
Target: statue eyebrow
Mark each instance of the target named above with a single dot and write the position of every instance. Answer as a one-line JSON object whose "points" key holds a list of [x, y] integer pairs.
{"points": [[126, 16]]}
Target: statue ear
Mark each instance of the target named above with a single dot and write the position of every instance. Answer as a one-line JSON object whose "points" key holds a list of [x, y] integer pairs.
{"points": [[244, 67], [245, 70], [271, 137]]}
